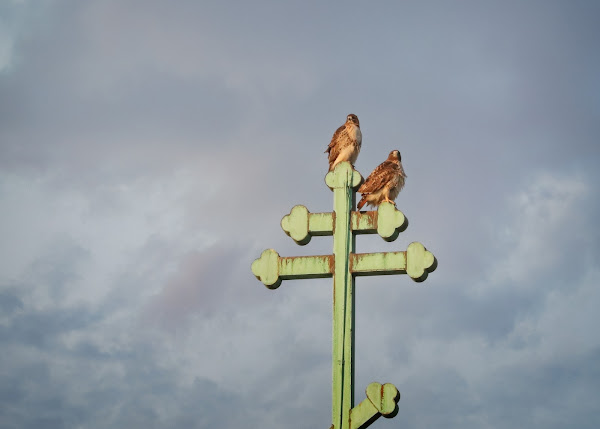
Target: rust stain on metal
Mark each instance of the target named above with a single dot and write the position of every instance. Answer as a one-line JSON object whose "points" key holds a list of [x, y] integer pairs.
{"points": [[305, 267], [373, 217], [355, 259], [331, 262], [333, 220], [364, 222]]}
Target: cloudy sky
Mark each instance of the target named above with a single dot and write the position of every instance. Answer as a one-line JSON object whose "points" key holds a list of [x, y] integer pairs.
{"points": [[149, 149]]}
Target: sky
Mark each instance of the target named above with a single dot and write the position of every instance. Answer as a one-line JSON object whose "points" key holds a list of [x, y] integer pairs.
{"points": [[149, 149]]}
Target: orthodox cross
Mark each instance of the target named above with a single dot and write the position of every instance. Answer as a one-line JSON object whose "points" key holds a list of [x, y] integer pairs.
{"points": [[344, 265]]}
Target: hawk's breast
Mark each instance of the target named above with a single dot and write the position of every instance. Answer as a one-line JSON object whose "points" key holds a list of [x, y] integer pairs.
{"points": [[354, 134]]}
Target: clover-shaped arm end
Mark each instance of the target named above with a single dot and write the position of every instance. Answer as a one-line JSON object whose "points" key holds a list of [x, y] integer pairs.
{"points": [[390, 221], [266, 268], [342, 175], [419, 262], [384, 397], [382, 400], [295, 225]]}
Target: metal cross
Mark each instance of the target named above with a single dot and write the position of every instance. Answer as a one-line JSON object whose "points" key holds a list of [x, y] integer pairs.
{"points": [[344, 265]]}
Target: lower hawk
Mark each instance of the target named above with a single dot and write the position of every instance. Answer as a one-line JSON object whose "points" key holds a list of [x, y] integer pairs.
{"points": [[384, 183]]}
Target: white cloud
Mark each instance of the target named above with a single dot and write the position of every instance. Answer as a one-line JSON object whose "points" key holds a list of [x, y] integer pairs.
{"points": [[124, 228], [541, 222]]}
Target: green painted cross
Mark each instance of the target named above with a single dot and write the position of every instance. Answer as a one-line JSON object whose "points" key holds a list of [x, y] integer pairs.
{"points": [[344, 265]]}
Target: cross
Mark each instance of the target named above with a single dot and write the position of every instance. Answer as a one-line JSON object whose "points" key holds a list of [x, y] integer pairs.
{"points": [[344, 265]]}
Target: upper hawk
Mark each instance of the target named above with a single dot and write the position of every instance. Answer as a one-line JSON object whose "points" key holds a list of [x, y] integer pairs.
{"points": [[345, 143], [384, 183]]}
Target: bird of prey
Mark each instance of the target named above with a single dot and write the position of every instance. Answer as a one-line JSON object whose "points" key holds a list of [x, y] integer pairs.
{"points": [[345, 143], [384, 183]]}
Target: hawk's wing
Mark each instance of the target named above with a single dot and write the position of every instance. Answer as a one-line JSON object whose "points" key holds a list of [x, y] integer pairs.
{"points": [[336, 144], [381, 176]]}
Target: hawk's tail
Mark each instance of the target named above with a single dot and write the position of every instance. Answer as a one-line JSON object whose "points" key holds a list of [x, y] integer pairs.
{"points": [[362, 202]]}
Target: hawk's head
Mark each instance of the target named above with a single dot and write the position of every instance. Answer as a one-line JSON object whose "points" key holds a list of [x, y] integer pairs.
{"points": [[395, 156], [353, 119]]}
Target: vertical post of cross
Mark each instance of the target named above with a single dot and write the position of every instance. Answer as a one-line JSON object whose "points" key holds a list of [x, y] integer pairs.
{"points": [[343, 181]]}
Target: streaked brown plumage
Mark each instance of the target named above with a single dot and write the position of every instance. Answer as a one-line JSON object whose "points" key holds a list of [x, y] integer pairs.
{"points": [[384, 183], [345, 143]]}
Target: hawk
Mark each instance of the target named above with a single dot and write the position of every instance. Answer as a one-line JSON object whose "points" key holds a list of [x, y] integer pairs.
{"points": [[384, 183], [345, 143]]}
